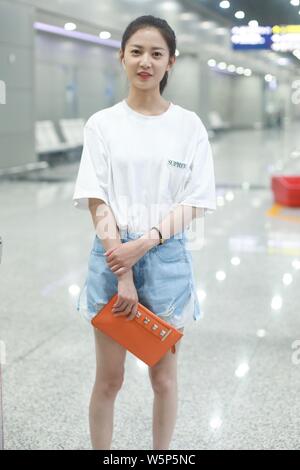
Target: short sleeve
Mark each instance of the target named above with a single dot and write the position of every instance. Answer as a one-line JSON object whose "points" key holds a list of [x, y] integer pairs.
{"points": [[92, 177], [199, 190]]}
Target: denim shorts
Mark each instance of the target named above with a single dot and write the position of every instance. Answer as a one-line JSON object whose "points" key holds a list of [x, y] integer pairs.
{"points": [[163, 278]]}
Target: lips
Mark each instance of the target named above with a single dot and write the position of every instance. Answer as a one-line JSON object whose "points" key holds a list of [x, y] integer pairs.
{"points": [[144, 74]]}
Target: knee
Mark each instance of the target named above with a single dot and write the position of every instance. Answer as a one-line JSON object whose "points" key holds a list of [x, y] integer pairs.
{"points": [[163, 384], [109, 385]]}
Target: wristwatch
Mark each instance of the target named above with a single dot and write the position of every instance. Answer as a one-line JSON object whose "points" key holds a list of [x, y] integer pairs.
{"points": [[161, 240]]}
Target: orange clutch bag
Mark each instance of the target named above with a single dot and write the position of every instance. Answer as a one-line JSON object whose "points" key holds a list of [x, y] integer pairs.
{"points": [[147, 336]]}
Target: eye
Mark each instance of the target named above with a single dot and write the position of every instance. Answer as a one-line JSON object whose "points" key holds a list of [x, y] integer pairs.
{"points": [[136, 50]]}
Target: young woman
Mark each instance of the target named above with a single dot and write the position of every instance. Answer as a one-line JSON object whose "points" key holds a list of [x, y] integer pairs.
{"points": [[146, 171]]}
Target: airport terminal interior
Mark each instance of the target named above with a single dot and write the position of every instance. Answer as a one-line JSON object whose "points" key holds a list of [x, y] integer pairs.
{"points": [[238, 68]]}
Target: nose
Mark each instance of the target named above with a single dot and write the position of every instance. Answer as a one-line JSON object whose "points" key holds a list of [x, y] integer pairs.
{"points": [[145, 61]]}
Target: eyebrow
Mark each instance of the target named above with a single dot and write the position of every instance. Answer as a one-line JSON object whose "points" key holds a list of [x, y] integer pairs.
{"points": [[141, 47]]}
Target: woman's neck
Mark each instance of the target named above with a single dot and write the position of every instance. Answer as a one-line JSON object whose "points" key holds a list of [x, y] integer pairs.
{"points": [[148, 104]]}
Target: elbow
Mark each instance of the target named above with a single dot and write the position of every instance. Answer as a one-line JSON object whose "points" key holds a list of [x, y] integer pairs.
{"points": [[97, 208], [94, 203]]}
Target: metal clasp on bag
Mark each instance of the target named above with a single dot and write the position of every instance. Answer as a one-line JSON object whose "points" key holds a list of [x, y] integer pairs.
{"points": [[163, 334]]}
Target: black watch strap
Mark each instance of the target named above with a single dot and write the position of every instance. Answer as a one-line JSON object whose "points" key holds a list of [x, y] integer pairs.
{"points": [[160, 235]]}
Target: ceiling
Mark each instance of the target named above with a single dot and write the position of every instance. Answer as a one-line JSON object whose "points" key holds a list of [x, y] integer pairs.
{"points": [[185, 16], [266, 12]]}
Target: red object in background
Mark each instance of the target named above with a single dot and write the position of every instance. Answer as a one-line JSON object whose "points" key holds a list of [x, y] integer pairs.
{"points": [[286, 190]]}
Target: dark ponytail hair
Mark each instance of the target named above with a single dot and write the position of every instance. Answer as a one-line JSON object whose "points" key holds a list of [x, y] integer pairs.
{"points": [[165, 30]]}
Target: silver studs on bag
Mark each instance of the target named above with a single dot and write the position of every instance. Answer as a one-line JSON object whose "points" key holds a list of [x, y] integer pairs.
{"points": [[163, 333]]}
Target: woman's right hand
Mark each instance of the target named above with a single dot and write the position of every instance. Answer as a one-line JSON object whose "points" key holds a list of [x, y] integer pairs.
{"points": [[127, 301]]}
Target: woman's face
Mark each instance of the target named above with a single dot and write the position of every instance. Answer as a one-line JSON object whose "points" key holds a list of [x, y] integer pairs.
{"points": [[152, 56]]}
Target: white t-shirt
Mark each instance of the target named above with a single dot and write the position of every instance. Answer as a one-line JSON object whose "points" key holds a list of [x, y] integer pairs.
{"points": [[144, 166]]}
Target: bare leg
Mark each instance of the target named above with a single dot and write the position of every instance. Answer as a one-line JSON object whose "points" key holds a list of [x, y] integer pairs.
{"points": [[164, 383], [101, 412], [110, 358]]}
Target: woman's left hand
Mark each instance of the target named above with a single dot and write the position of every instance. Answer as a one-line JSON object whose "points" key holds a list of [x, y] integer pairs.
{"points": [[123, 257]]}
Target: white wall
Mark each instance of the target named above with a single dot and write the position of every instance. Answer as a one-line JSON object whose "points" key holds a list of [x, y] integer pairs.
{"points": [[16, 70], [247, 101]]}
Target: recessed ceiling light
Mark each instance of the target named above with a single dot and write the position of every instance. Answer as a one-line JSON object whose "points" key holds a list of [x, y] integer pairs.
{"points": [[70, 26], [239, 14], [221, 31], [253, 24], [283, 61], [224, 4], [168, 6], [105, 35], [206, 24], [187, 16], [296, 53], [231, 68], [222, 65], [211, 62], [268, 77]]}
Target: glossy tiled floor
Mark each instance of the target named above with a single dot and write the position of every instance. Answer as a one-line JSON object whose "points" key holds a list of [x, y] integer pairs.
{"points": [[239, 366]]}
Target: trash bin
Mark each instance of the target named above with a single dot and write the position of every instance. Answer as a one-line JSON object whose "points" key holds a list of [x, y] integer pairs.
{"points": [[286, 190]]}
